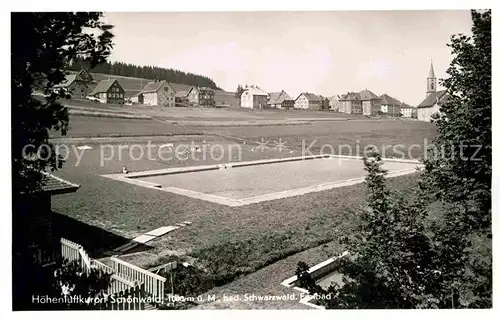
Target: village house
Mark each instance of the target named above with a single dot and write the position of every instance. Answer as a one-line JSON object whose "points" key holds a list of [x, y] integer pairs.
{"points": [[408, 111], [193, 96], [370, 102], [434, 99], [156, 93], [206, 97], [254, 97], [350, 103], [280, 100], [182, 97], [77, 84], [334, 103], [325, 102], [390, 105], [309, 101], [109, 91]]}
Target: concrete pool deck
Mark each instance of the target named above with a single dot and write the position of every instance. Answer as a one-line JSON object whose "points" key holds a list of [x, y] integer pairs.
{"points": [[243, 183]]}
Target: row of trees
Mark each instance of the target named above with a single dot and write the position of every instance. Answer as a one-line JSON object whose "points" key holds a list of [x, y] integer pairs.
{"points": [[431, 248], [147, 72]]}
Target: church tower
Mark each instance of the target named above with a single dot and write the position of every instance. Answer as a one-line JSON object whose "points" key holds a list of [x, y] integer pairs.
{"points": [[431, 82]]}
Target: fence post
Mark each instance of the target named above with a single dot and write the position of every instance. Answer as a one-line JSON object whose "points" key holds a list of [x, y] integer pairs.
{"points": [[142, 295]]}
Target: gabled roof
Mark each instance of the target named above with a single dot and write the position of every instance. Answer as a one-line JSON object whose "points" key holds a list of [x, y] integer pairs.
{"points": [[103, 86], [388, 100], [153, 86], [310, 96], [68, 81], [54, 185], [435, 97], [368, 95], [84, 75], [278, 97], [350, 96], [255, 90]]}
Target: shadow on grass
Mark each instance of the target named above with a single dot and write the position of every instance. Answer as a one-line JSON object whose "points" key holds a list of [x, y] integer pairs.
{"points": [[97, 242]]}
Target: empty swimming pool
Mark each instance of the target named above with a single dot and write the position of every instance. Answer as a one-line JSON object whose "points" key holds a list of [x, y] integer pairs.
{"points": [[251, 182]]}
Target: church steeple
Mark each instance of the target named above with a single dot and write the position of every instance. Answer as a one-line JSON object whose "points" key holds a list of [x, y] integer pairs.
{"points": [[431, 81]]}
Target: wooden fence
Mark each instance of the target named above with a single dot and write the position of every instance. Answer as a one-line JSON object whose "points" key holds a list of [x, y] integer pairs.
{"points": [[127, 280], [154, 285], [69, 250]]}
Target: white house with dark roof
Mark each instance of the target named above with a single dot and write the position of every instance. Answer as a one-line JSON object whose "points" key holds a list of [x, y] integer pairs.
{"points": [[434, 98], [254, 97], [408, 111], [390, 105], [308, 100]]}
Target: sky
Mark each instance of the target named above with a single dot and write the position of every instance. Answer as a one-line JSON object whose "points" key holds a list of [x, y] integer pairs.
{"points": [[324, 52]]}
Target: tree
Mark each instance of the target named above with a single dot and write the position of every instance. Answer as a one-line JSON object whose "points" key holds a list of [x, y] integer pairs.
{"points": [[238, 93], [458, 170], [42, 46], [433, 250]]}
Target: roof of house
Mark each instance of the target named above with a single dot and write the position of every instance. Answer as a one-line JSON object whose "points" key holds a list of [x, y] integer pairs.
{"points": [[368, 95], [438, 97], [311, 96], [278, 97], [54, 185], [84, 75], [255, 90], [153, 86], [385, 99], [70, 78], [350, 96], [103, 86]]}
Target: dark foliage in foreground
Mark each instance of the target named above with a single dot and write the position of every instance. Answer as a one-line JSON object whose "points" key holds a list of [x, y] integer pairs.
{"points": [[435, 251]]}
